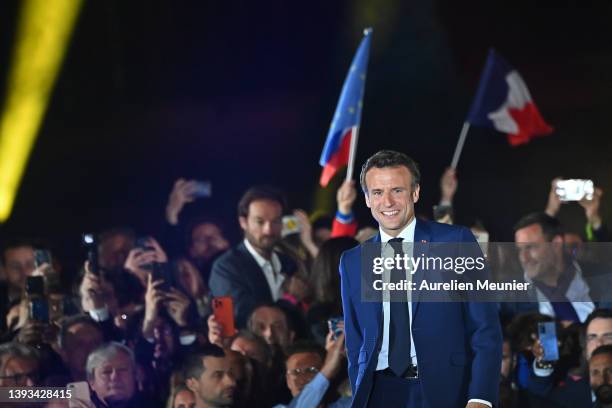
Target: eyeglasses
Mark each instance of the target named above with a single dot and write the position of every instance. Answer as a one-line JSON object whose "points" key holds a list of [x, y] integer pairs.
{"points": [[301, 371]]}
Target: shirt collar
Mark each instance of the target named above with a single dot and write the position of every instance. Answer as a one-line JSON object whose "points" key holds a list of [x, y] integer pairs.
{"points": [[407, 233], [261, 261]]}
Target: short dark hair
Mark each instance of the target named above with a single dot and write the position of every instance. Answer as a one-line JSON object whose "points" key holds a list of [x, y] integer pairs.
{"points": [[305, 346], [389, 158], [605, 349], [551, 227], [260, 193], [597, 314], [272, 306], [14, 244], [194, 363]]}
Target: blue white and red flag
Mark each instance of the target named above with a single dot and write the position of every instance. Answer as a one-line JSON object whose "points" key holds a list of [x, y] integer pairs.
{"points": [[345, 124], [503, 103]]}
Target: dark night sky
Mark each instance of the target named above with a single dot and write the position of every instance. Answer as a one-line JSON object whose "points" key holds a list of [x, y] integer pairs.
{"points": [[242, 92]]}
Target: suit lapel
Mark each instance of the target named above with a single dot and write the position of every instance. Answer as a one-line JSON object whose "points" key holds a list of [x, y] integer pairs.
{"points": [[422, 238], [376, 306], [257, 277]]}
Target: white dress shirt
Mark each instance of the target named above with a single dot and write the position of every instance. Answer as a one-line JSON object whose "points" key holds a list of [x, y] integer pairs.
{"points": [[383, 357], [271, 269]]}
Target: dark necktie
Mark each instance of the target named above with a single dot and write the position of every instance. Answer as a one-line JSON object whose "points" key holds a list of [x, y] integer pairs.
{"points": [[399, 321]]}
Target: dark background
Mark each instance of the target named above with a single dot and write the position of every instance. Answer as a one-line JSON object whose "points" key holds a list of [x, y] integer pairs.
{"points": [[242, 92]]}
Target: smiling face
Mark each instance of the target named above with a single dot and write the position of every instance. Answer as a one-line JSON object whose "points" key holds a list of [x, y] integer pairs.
{"points": [[391, 196]]}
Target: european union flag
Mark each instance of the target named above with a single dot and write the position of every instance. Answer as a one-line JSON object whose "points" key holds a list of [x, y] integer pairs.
{"points": [[345, 125]]}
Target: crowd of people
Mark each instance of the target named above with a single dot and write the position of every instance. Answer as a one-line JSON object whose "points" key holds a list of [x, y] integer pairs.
{"points": [[136, 325]]}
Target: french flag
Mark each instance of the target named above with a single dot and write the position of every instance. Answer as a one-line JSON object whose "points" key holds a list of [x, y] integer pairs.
{"points": [[503, 103], [345, 124]]}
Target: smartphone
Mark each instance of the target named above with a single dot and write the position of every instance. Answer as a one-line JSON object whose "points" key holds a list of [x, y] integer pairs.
{"points": [[333, 326], [35, 286], [203, 189], [39, 310], [574, 189], [223, 309], [547, 334], [291, 225], [143, 244], [163, 271], [42, 256], [79, 394], [91, 243]]}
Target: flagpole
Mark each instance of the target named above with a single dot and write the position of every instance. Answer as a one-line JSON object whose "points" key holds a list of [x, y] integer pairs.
{"points": [[352, 153], [459, 148]]}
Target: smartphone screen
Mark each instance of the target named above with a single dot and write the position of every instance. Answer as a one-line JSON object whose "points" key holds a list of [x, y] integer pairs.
{"points": [[35, 286], [39, 310], [203, 189], [42, 256], [333, 325], [547, 334], [162, 271], [223, 309]]}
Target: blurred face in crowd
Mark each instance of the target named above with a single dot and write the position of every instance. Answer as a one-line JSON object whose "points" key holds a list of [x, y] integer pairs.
{"points": [[263, 225], [80, 340], [301, 369], [207, 240], [216, 386], [189, 278], [163, 335], [391, 198], [115, 380], [19, 372], [600, 373], [19, 264], [184, 399], [249, 348], [238, 366], [538, 256], [271, 324], [598, 333], [507, 361], [114, 250]]}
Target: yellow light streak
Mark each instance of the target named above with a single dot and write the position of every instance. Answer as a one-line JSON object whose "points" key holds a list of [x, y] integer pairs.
{"points": [[41, 40]]}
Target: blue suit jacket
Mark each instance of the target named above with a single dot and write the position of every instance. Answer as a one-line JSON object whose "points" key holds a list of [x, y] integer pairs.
{"points": [[458, 344]]}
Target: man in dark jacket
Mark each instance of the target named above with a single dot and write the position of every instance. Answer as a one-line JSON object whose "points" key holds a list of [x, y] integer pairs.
{"points": [[253, 272]]}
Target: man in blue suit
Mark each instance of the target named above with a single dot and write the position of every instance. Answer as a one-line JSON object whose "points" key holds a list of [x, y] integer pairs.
{"points": [[414, 354]]}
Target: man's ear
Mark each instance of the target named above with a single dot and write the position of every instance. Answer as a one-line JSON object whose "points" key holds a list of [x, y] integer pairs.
{"points": [[367, 199], [557, 239], [243, 222], [415, 193], [291, 336], [192, 384]]}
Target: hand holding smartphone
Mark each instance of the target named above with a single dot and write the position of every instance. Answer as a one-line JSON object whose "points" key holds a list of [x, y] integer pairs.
{"points": [[547, 333], [223, 309]]}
